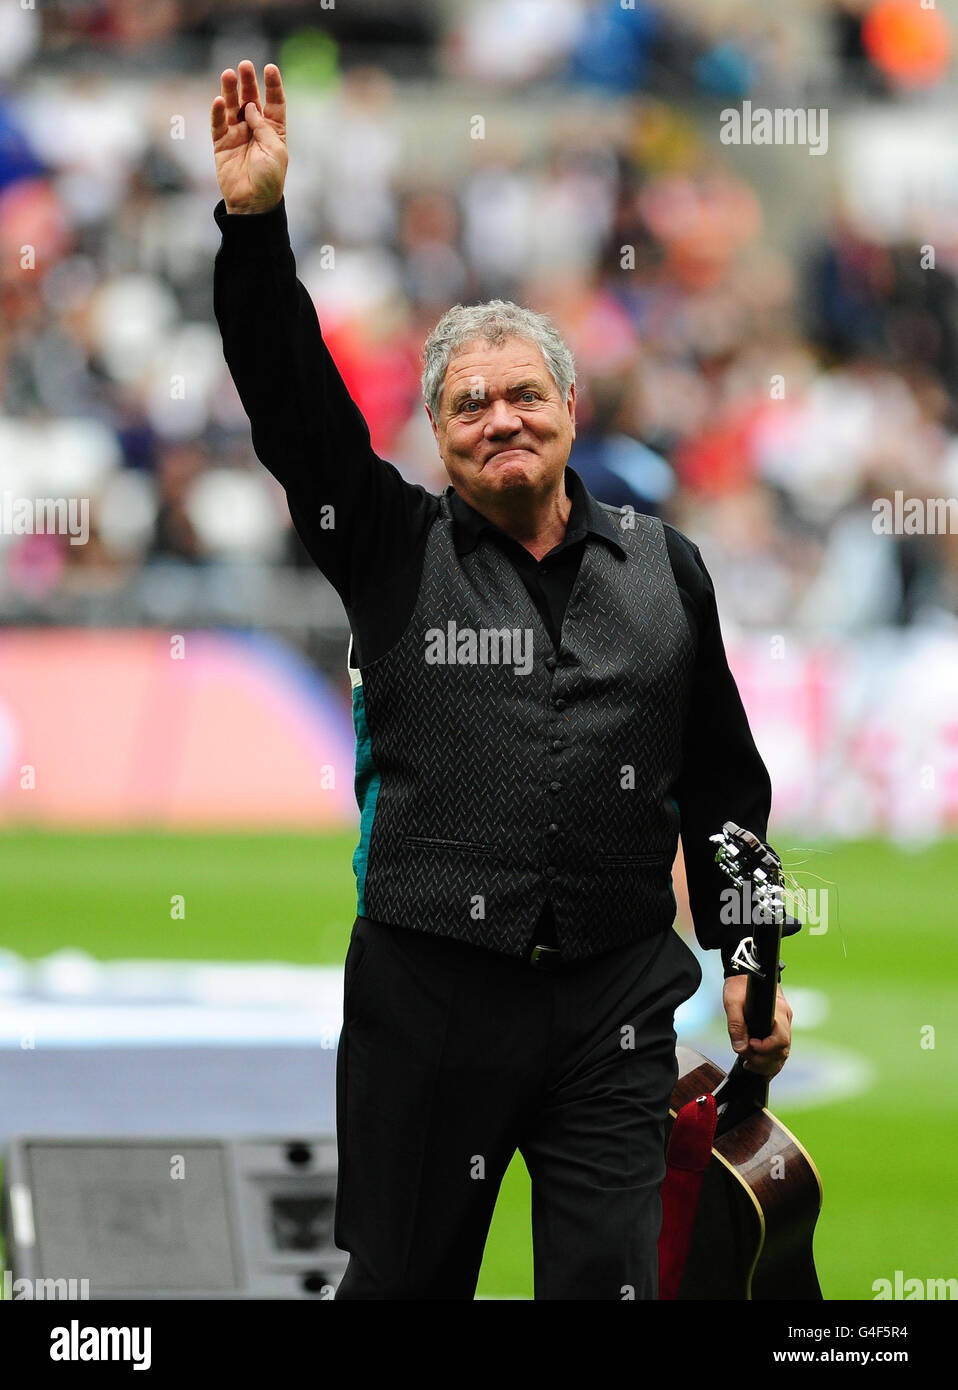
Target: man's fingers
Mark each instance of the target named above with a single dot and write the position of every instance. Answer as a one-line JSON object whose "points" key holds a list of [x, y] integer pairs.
{"points": [[779, 1040], [738, 1035], [229, 87], [239, 89], [734, 1005], [765, 1067], [275, 107], [780, 1034], [219, 124], [249, 86]]}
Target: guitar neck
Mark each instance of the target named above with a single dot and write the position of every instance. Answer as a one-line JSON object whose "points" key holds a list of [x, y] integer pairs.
{"points": [[743, 1092], [761, 994]]}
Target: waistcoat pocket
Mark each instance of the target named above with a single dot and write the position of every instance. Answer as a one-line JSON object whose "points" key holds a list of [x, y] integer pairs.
{"points": [[611, 860], [464, 846]]}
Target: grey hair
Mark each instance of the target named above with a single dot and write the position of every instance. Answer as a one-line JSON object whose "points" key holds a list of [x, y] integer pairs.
{"points": [[494, 322]]}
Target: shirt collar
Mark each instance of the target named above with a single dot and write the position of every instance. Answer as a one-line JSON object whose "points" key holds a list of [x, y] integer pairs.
{"points": [[588, 516]]}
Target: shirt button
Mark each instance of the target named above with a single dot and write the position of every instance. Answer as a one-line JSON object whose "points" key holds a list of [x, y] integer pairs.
{"points": [[559, 704], [551, 871], [557, 745], [553, 829], [555, 786]]}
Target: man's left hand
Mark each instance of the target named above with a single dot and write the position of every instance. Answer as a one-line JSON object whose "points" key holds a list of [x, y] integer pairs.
{"points": [[766, 1056]]}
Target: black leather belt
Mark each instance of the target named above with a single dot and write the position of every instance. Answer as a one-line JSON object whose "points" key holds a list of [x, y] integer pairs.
{"points": [[545, 958]]}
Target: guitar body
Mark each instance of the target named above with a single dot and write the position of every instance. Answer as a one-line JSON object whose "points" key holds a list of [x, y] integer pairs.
{"points": [[752, 1237]]}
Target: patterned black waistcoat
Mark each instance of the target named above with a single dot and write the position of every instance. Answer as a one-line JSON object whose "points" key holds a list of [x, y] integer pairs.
{"points": [[493, 771]]}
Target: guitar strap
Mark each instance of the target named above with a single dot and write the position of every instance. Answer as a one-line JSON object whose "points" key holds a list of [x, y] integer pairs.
{"points": [[687, 1157]]}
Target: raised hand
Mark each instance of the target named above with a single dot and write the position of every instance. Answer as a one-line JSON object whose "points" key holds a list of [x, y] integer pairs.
{"points": [[251, 155]]}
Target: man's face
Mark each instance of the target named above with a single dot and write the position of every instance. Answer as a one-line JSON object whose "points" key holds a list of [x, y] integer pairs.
{"points": [[502, 426]]}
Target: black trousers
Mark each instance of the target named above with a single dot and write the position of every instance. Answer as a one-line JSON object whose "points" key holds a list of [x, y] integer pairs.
{"points": [[450, 1059]]}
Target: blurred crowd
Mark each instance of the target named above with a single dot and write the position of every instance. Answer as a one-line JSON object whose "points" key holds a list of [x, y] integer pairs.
{"points": [[760, 399]]}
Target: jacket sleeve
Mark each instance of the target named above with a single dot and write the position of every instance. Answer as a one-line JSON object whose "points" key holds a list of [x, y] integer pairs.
{"points": [[356, 514], [723, 778]]}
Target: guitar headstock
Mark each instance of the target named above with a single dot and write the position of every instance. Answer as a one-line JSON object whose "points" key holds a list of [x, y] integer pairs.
{"points": [[755, 867], [744, 858]]}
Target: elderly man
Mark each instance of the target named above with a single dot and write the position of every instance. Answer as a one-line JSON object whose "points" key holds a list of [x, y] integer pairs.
{"points": [[541, 702]]}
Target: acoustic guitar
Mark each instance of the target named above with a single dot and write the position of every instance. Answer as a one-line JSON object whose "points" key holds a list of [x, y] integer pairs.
{"points": [[758, 1191]]}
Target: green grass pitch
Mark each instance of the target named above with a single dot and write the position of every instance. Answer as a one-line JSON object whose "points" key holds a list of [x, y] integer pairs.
{"points": [[887, 965]]}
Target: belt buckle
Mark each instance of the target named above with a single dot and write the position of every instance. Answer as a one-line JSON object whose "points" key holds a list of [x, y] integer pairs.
{"points": [[545, 957]]}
